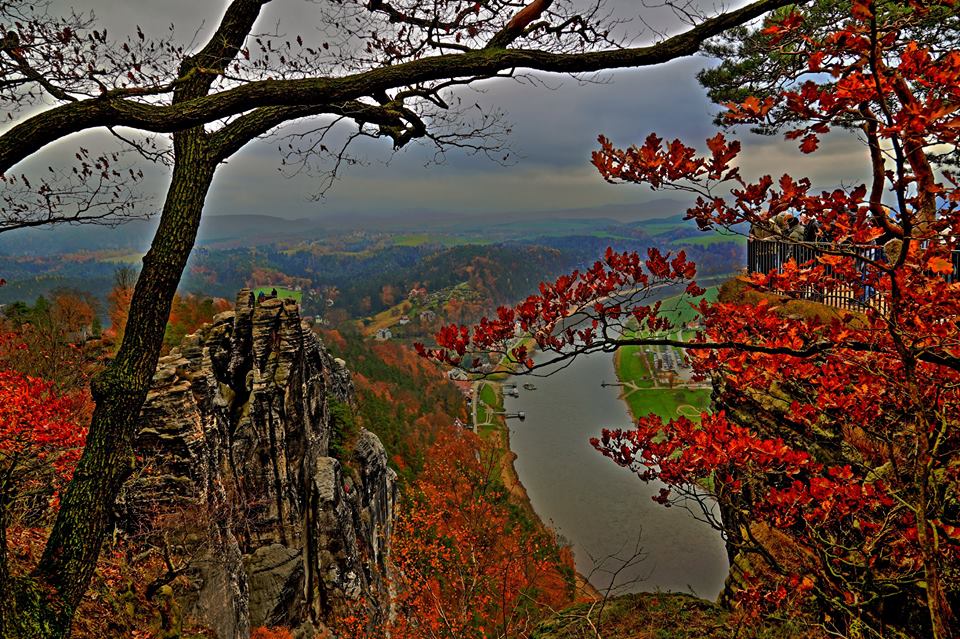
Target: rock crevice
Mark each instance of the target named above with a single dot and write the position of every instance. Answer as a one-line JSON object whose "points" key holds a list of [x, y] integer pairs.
{"points": [[235, 442]]}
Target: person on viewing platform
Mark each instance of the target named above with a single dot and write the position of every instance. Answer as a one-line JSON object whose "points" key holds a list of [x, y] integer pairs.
{"points": [[764, 251], [811, 231], [783, 223], [795, 229]]}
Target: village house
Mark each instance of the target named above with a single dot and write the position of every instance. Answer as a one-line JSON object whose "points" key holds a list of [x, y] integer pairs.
{"points": [[457, 375]]}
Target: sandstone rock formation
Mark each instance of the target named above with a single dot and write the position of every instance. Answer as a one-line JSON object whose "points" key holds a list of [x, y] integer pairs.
{"points": [[236, 439]]}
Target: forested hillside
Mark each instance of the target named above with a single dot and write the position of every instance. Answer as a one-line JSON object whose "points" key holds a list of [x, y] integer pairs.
{"points": [[367, 273]]}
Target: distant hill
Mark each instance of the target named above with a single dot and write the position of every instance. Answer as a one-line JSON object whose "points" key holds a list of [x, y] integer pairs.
{"points": [[131, 236], [222, 231], [501, 258]]}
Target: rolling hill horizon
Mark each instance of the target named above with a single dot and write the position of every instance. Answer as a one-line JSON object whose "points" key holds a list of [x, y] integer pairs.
{"points": [[253, 229]]}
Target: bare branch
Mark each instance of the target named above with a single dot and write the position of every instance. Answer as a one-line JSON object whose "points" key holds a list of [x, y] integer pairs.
{"points": [[53, 124]]}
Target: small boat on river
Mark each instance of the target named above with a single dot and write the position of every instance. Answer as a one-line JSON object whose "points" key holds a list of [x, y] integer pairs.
{"points": [[529, 386]]}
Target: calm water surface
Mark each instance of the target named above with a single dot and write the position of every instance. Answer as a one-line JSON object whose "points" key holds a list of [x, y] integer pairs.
{"points": [[594, 504]]}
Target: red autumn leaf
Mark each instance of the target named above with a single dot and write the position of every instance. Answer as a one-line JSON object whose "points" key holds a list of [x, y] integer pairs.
{"points": [[941, 265], [810, 143]]}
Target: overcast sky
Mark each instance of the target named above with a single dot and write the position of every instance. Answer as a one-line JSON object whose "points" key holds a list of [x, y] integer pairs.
{"points": [[554, 131]]}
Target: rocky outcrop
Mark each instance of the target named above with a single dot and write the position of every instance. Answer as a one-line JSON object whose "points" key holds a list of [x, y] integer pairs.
{"points": [[236, 441]]}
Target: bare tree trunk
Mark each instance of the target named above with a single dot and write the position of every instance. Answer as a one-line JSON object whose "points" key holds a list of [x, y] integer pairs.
{"points": [[44, 604], [941, 615]]}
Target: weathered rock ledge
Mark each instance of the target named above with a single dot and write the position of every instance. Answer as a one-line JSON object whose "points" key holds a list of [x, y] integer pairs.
{"points": [[236, 441]]}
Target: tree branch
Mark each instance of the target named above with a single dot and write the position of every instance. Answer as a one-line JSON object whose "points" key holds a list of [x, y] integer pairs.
{"points": [[818, 348], [235, 135], [514, 29], [199, 71], [51, 125]]}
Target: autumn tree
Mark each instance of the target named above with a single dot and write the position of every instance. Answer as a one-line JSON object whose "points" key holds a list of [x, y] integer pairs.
{"points": [[386, 69], [46, 340], [119, 299], [467, 565], [189, 312], [388, 296], [74, 313], [832, 445]]}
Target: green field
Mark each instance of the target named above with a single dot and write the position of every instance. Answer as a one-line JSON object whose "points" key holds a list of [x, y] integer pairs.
{"points": [[661, 225], [281, 292], [708, 239], [482, 417], [668, 402], [488, 396], [678, 309], [489, 402], [632, 364]]}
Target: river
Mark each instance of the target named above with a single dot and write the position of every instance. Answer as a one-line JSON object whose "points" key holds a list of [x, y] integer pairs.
{"points": [[596, 506]]}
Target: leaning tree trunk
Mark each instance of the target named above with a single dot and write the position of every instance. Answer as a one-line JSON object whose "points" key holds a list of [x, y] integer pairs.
{"points": [[44, 603]]}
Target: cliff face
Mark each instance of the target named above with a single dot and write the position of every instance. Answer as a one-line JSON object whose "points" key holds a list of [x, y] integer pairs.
{"points": [[237, 439], [768, 412]]}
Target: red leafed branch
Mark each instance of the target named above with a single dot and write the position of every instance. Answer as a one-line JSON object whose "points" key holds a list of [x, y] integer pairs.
{"points": [[831, 448]]}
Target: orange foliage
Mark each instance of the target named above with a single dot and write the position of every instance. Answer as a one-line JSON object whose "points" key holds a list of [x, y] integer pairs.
{"points": [[190, 312], [270, 633], [71, 312], [467, 567], [40, 437], [467, 563], [263, 276], [119, 298], [334, 339]]}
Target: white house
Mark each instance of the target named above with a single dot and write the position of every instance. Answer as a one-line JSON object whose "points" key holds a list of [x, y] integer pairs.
{"points": [[457, 375]]}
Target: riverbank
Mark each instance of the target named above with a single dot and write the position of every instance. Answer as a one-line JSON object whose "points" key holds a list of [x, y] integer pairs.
{"points": [[493, 429], [620, 536]]}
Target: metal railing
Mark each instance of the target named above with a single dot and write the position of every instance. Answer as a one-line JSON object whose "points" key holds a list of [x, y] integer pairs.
{"points": [[769, 254]]}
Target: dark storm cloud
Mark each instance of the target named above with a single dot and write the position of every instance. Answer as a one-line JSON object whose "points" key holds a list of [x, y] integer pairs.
{"points": [[554, 131]]}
